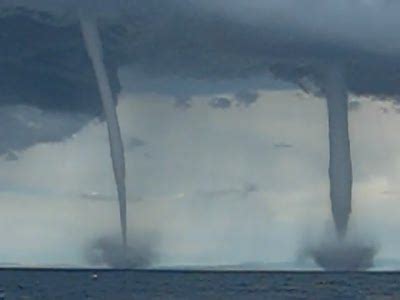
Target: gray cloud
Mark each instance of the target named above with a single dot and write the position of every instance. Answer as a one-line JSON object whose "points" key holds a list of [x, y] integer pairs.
{"points": [[289, 46], [220, 102], [47, 67], [354, 105], [48, 88], [183, 102], [233, 46], [183, 88], [11, 156], [246, 98], [24, 126]]}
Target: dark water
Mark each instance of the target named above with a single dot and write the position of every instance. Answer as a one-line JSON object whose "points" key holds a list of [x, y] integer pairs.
{"points": [[110, 285]]}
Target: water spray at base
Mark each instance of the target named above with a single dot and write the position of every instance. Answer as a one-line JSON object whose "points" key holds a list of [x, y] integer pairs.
{"points": [[354, 252], [340, 169], [94, 48], [340, 250]]}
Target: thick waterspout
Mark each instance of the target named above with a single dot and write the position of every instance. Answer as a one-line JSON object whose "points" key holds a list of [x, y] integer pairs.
{"points": [[340, 169], [94, 48]]}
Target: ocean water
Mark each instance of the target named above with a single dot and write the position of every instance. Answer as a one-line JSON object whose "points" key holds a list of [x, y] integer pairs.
{"points": [[110, 285]]}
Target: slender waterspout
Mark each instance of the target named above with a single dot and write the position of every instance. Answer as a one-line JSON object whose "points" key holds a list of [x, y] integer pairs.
{"points": [[340, 169], [94, 48]]}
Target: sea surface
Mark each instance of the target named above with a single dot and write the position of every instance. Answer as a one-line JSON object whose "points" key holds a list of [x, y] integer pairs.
{"points": [[110, 285]]}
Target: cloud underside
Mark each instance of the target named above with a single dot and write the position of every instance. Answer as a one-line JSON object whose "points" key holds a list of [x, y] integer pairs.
{"points": [[163, 38], [44, 64], [48, 90]]}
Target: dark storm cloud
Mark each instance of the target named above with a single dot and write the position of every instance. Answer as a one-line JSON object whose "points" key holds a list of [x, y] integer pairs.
{"points": [[183, 88], [23, 126], [202, 41], [198, 40], [48, 89], [47, 67], [43, 62]]}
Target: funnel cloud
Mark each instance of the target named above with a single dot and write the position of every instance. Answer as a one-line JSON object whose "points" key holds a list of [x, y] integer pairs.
{"points": [[93, 44], [340, 169]]}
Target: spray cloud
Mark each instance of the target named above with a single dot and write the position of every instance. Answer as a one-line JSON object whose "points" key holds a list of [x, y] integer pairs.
{"points": [[340, 169], [94, 48]]}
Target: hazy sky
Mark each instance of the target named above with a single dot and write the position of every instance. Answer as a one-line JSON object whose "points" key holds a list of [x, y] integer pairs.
{"points": [[209, 185]]}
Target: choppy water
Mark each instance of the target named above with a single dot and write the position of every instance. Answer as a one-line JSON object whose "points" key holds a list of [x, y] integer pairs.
{"points": [[110, 285]]}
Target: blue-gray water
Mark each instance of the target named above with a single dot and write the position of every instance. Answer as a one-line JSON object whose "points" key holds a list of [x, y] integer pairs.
{"points": [[114, 285]]}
